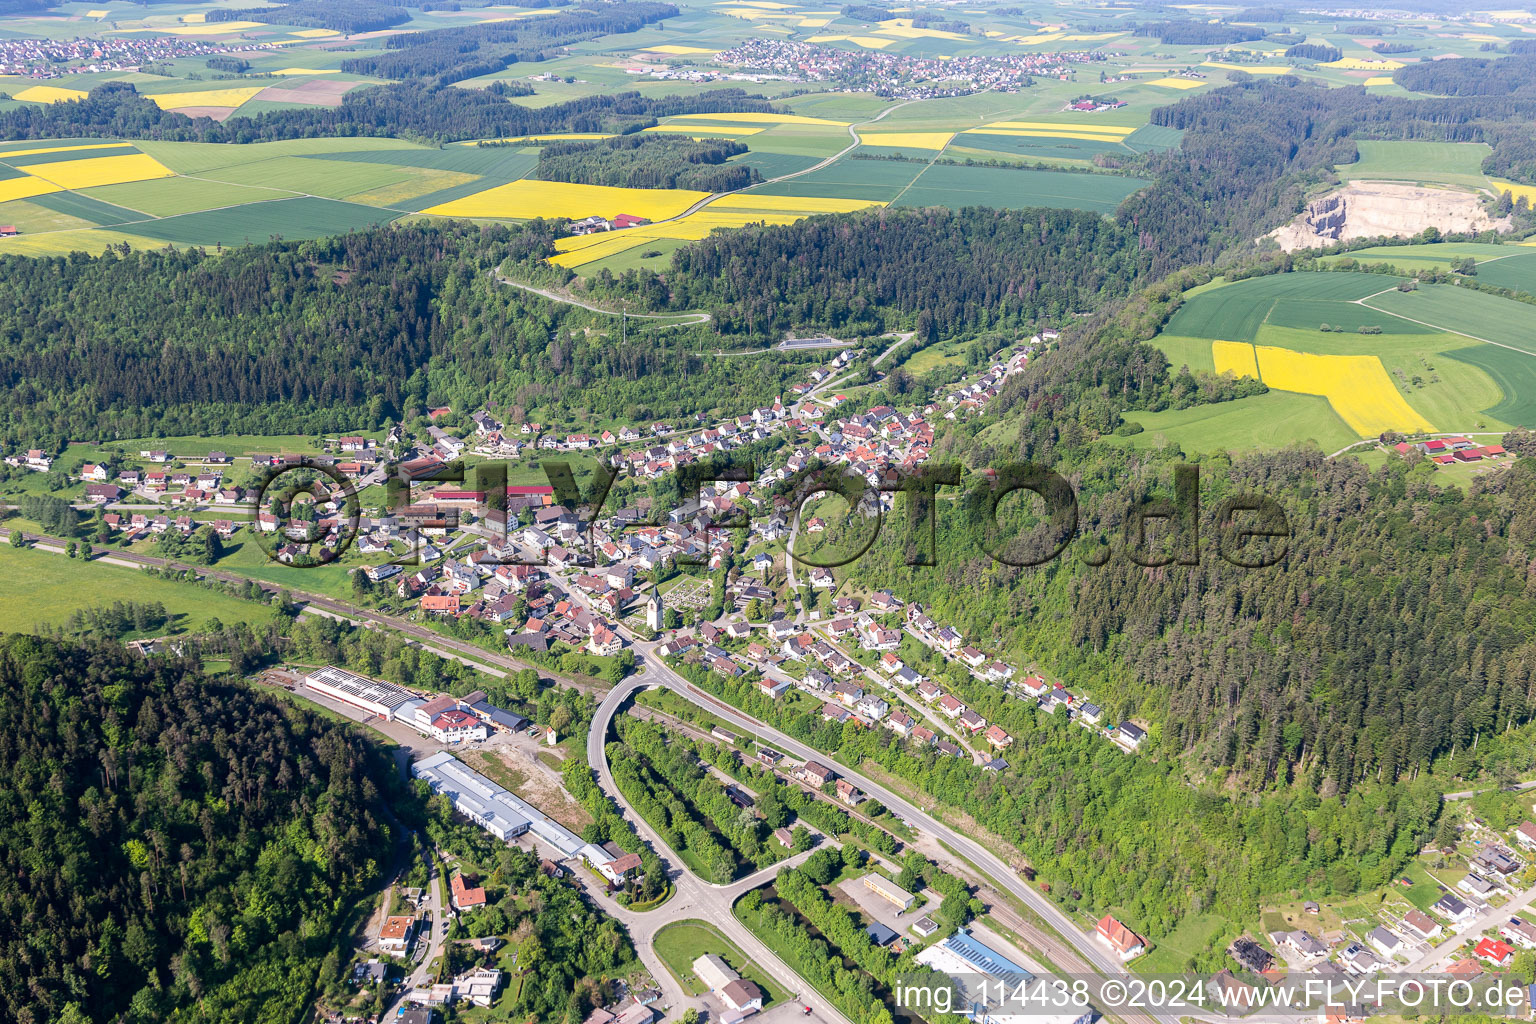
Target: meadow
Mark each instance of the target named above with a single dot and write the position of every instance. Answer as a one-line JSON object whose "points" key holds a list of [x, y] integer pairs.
{"points": [[1454, 163], [41, 588], [1261, 422], [1235, 311], [1463, 311]]}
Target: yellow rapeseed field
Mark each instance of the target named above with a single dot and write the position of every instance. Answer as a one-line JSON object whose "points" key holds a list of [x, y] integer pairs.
{"points": [[218, 28], [524, 200], [205, 98], [1177, 83], [1236, 356], [679, 51], [48, 94], [25, 188], [97, 14], [903, 28], [1379, 80], [1516, 190], [315, 33], [909, 140], [102, 170], [1054, 126], [798, 204], [1357, 387], [64, 149]]}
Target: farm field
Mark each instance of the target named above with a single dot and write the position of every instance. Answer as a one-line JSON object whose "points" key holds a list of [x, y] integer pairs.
{"points": [[1356, 386], [1463, 311], [956, 187], [1515, 375], [41, 588], [1517, 272], [1438, 255], [1453, 163], [1235, 311], [1262, 422], [1424, 368]]}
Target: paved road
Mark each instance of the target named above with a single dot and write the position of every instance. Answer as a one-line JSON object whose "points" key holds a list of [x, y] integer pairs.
{"points": [[695, 897], [1489, 918]]}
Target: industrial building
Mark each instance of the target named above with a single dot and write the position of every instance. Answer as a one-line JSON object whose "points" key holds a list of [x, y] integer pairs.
{"points": [[990, 984], [386, 700], [499, 811]]}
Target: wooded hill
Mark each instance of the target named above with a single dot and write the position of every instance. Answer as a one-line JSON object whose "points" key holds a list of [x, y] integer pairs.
{"points": [[649, 160], [172, 848]]}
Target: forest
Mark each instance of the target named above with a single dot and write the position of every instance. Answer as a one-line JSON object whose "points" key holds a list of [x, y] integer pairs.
{"points": [[649, 160], [170, 342], [430, 114], [941, 271], [346, 16], [174, 848]]}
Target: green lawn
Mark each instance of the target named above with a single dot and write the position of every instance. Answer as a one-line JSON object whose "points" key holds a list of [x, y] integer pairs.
{"points": [[1274, 420], [1170, 954], [680, 943], [38, 587]]}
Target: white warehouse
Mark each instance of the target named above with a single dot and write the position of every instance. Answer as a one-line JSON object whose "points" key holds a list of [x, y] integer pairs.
{"points": [[497, 810], [386, 700]]}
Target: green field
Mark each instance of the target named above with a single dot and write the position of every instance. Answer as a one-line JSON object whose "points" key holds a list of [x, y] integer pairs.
{"points": [[1517, 272], [1432, 254], [1464, 311], [299, 218], [38, 588], [1311, 314], [1194, 353], [1515, 374], [1234, 312], [680, 943], [1454, 163], [1274, 420], [1170, 954], [168, 197]]}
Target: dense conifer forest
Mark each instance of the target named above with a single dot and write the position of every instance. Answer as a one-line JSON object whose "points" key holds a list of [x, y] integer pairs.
{"points": [[173, 848]]}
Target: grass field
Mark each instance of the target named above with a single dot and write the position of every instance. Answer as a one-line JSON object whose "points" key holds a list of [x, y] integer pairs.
{"points": [[168, 197], [956, 187], [1515, 375], [291, 218], [37, 588], [1172, 952], [1234, 312], [680, 943], [1464, 311], [1264, 422], [1517, 272], [1454, 163]]}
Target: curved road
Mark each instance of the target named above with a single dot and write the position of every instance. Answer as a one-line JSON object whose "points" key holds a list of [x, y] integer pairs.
{"points": [[696, 897]]}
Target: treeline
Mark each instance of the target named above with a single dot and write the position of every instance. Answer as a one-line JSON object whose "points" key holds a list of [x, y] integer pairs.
{"points": [[1198, 33], [425, 113], [690, 810], [940, 271], [650, 160], [1314, 51], [838, 956], [345, 16], [194, 848], [610, 825], [449, 55]]}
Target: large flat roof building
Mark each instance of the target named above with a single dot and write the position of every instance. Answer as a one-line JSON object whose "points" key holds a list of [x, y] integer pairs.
{"points": [[386, 700], [987, 983], [494, 808]]}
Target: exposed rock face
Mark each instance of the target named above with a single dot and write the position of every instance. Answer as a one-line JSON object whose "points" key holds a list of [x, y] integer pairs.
{"points": [[1370, 209]]}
